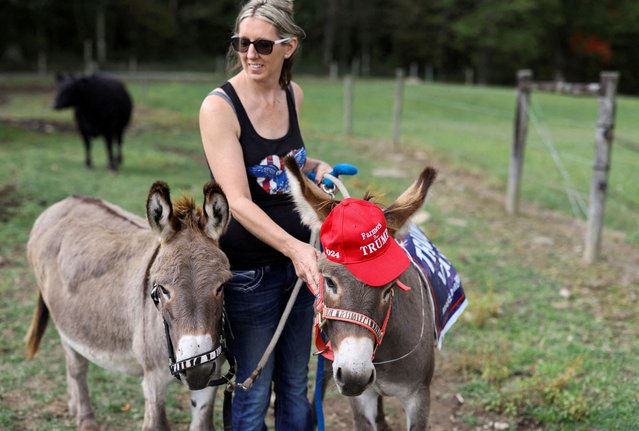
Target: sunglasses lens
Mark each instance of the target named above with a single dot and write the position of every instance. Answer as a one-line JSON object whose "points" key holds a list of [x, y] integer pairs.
{"points": [[240, 44], [244, 44], [263, 47]]}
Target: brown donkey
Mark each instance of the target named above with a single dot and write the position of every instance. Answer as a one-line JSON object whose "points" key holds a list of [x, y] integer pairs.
{"points": [[118, 289], [356, 315]]}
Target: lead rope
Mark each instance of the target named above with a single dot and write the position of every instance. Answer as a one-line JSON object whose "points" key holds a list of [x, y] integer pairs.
{"points": [[319, 374], [421, 291], [246, 385]]}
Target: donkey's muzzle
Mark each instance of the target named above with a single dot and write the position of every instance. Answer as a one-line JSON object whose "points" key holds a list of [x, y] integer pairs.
{"points": [[353, 370], [352, 383], [198, 377], [198, 370]]}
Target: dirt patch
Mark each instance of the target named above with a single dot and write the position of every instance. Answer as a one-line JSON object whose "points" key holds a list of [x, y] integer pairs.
{"points": [[190, 154], [40, 126], [446, 405], [9, 203], [448, 411], [7, 84]]}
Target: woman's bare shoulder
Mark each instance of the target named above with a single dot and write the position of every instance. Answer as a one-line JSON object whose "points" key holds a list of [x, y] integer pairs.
{"points": [[298, 93]]}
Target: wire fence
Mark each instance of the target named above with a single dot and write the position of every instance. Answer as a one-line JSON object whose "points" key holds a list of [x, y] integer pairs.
{"points": [[578, 202], [560, 150], [565, 162]]}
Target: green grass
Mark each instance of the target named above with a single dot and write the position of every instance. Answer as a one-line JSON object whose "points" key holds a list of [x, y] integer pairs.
{"points": [[537, 361], [522, 352]]}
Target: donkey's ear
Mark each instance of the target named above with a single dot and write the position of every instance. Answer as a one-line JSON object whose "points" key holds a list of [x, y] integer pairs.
{"points": [[398, 213], [216, 210], [159, 211], [311, 202]]}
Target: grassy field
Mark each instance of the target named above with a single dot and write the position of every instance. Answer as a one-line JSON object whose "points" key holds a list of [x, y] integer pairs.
{"points": [[472, 127], [546, 342]]}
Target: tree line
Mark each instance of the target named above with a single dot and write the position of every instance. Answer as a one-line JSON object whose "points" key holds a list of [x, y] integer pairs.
{"points": [[571, 40]]}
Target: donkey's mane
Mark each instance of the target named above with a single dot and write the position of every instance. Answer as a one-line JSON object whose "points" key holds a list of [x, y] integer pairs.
{"points": [[101, 204], [370, 196], [185, 209]]}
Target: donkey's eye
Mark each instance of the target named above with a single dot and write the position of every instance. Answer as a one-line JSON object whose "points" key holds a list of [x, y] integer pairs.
{"points": [[386, 295], [165, 292], [219, 290], [330, 285]]}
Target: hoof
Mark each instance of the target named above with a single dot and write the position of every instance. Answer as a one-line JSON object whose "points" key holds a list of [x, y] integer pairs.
{"points": [[88, 425]]}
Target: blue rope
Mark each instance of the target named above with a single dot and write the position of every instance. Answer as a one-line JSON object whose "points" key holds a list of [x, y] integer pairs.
{"points": [[319, 383]]}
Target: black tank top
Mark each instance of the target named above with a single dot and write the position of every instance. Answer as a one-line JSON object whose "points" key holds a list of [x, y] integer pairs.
{"points": [[268, 185]]}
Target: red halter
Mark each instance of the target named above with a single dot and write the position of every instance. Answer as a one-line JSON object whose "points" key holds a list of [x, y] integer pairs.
{"points": [[323, 313]]}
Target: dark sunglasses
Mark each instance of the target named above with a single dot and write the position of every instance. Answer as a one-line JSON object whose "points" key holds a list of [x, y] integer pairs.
{"points": [[262, 46]]}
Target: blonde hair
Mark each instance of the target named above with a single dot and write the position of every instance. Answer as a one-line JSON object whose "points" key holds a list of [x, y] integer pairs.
{"points": [[279, 13]]}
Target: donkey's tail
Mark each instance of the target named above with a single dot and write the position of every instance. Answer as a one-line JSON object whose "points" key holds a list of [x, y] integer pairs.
{"points": [[38, 326]]}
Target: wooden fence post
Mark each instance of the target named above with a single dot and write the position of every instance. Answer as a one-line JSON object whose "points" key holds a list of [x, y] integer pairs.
{"points": [[220, 65], [133, 64], [100, 37], [42, 63], [469, 76], [355, 66], [601, 168], [89, 64], [429, 73], [414, 71], [333, 71], [397, 111], [519, 140], [348, 104]]}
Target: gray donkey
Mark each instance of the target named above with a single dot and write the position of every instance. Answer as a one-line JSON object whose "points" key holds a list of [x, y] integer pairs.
{"points": [[350, 312], [112, 283]]}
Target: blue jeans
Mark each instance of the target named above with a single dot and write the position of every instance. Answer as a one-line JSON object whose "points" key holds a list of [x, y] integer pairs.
{"points": [[254, 301]]}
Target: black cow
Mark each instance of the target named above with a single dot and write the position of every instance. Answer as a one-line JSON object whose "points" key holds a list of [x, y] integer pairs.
{"points": [[102, 108]]}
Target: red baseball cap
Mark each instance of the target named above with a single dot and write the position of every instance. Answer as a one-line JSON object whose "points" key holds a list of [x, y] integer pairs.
{"points": [[355, 235]]}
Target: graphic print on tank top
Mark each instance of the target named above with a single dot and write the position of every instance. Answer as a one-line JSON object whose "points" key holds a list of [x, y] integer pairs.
{"points": [[270, 175]]}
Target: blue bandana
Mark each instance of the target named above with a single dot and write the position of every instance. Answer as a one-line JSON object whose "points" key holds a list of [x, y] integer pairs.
{"points": [[270, 174]]}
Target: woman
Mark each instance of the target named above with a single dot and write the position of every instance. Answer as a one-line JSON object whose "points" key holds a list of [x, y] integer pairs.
{"points": [[248, 125]]}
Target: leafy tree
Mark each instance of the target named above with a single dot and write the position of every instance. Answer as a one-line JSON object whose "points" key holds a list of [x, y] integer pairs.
{"points": [[505, 36], [559, 39]]}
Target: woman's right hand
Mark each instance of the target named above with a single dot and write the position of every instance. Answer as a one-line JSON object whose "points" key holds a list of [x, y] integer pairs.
{"points": [[304, 257]]}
